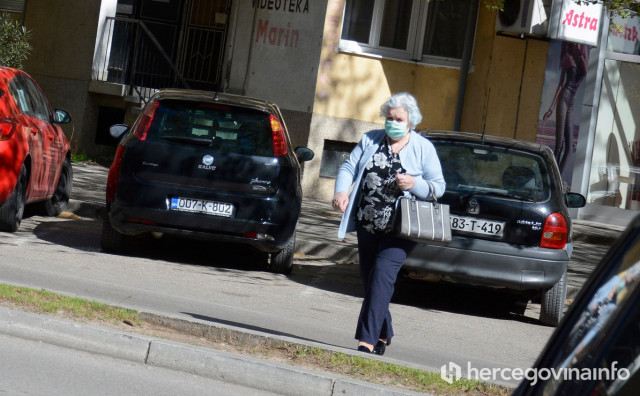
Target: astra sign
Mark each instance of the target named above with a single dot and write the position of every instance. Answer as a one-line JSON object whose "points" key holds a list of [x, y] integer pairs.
{"points": [[578, 22]]}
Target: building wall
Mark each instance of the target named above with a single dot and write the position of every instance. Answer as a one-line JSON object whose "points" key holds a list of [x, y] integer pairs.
{"points": [[502, 97], [273, 54], [63, 40], [286, 52]]}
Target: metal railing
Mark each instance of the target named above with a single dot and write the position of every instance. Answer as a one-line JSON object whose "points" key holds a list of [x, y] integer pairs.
{"points": [[129, 53]]}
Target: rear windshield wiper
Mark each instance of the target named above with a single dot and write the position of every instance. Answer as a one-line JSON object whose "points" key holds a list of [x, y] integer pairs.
{"points": [[504, 195], [190, 140]]}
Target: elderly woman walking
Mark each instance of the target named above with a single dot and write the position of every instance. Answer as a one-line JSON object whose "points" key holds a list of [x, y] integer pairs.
{"points": [[384, 165]]}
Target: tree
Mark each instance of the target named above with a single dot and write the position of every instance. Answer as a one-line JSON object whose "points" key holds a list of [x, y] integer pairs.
{"points": [[14, 42], [623, 8]]}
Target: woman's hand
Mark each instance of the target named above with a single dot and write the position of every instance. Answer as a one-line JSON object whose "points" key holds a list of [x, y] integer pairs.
{"points": [[340, 201], [405, 182], [547, 114]]}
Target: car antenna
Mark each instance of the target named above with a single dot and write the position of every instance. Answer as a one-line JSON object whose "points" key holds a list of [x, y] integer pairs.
{"points": [[483, 136]]}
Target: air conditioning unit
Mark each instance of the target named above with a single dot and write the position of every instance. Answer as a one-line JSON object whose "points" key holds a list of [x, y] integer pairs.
{"points": [[524, 16]]}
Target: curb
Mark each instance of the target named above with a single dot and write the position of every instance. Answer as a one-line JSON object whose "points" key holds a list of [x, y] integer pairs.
{"points": [[218, 365]]}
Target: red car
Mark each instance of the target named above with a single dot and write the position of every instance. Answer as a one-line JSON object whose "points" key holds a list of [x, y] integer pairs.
{"points": [[35, 156]]}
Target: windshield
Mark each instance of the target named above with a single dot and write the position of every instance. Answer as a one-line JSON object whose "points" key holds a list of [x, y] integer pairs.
{"points": [[225, 128], [470, 168]]}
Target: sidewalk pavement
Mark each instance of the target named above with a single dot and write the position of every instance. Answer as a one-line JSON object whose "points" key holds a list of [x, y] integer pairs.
{"points": [[318, 224], [238, 369], [316, 236]]}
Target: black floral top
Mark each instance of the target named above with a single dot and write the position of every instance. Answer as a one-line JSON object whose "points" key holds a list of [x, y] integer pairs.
{"points": [[379, 190]]}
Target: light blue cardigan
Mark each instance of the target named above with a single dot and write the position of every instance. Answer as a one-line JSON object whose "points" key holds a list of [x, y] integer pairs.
{"points": [[418, 158]]}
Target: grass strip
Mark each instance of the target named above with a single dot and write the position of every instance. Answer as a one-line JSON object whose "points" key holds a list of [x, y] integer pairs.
{"points": [[42, 301], [357, 367]]}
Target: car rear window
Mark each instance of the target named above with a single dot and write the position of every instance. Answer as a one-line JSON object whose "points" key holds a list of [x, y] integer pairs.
{"points": [[229, 129], [469, 167]]}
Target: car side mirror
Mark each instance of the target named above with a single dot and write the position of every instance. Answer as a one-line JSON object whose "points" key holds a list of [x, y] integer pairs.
{"points": [[575, 200], [116, 131], [304, 154], [61, 117]]}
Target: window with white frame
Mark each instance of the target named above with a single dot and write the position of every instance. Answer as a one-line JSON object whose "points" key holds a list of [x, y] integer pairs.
{"points": [[431, 31]]}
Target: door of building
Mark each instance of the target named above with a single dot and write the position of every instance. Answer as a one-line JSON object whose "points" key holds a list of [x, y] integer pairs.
{"points": [[191, 33], [202, 43], [614, 177]]}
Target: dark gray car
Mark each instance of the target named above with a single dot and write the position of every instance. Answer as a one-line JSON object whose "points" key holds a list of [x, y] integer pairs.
{"points": [[509, 219]]}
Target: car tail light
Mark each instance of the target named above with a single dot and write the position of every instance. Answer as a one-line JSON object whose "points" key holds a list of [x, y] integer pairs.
{"points": [[555, 232], [7, 128], [144, 123], [280, 146], [140, 221], [114, 175]]}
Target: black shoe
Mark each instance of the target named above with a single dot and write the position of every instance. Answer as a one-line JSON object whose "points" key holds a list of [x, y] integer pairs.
{"points": [[381, 347], [362, 348]]}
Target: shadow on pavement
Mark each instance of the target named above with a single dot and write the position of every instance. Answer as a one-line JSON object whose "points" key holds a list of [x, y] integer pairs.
{"points": [[345, 279], [342, 277], [85, 235]]}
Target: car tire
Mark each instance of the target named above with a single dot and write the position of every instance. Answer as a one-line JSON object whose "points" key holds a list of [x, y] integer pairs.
{"points": [[12, 210], [111, 241], [282, 261], [552, 302], [60, 199]]}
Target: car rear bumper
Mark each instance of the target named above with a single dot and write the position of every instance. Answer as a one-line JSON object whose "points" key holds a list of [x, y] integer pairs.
{"points": [[262, 235], [490, 264]]}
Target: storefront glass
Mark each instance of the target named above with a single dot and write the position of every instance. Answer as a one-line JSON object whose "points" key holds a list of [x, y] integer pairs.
{"points": [[614, 179], [615, 169]]}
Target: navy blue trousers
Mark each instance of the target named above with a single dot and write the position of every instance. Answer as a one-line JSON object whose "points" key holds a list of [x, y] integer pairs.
{"points": [[381, 257]]}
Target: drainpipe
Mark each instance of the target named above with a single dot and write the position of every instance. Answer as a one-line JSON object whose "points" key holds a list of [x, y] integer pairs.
{"points": [[24, 11], [249, 57], [466, 61]]}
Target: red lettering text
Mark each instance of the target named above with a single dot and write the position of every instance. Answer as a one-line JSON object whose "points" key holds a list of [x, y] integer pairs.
{"points": [[581, 21]]}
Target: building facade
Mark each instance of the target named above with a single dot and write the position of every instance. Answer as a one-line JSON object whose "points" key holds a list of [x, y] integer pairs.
{"points": [[329, 65]]}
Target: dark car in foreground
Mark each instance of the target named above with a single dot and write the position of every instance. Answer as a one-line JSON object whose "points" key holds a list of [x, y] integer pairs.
{"points": [[35, 155], [596, 348], [207, 166], [509, 219]]}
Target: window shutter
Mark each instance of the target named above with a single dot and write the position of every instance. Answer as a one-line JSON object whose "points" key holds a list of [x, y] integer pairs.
{"points": [[12, 5]]}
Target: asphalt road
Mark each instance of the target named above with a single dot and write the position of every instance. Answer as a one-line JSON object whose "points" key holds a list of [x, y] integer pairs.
{"points": [[318, 303]]}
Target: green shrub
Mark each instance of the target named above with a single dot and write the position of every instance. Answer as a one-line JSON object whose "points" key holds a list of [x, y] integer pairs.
{"points": [[14, 42]]}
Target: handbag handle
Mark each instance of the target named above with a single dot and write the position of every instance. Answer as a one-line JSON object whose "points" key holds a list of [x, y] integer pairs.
{"points": [[432, 194]]}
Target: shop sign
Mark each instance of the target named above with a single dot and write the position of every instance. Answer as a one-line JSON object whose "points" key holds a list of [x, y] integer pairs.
{"points": [[625, 40], [578, 22]]}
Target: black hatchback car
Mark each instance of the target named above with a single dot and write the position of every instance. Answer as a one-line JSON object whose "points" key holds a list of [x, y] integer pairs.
{"points": [[509, 220], [208, 166]]}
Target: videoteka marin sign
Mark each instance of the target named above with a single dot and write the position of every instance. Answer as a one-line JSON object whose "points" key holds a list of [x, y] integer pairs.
{"points": [[579, 23]]}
